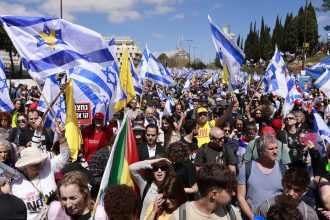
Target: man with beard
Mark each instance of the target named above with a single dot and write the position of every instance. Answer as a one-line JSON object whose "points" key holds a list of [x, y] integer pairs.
{"points": [[295, 183], [216, 152], [190, 130]]}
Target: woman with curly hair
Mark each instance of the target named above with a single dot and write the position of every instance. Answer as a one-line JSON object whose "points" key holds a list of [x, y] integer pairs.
{"points": [[168, 133]]}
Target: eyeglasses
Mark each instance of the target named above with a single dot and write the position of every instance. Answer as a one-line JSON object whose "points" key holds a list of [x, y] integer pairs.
{"points": [[162, 168], [290, 118], [202, 114], [21, 121], [218, 139], [226, 130]]}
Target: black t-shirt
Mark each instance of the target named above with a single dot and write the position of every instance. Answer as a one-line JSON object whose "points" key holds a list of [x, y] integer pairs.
{"points": [[187, 173], [81, 217], [293, 139], [193, 147], [208, 154], [46, 138]]}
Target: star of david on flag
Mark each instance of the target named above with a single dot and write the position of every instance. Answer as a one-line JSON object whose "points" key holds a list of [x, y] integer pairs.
{"points": [[6, 104]]}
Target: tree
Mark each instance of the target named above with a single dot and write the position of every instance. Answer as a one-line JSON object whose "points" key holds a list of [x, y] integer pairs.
{"points": [[325, 6], [217, 61], [251, 49], [163, 59], [278, 34], [7, 45], [290, 36]]}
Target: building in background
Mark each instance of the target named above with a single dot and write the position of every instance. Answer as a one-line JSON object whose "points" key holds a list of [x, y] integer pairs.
{"points": [[122, 42]]}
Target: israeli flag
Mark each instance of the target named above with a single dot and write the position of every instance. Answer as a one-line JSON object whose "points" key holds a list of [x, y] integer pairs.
{"points": [[136, 79], [168, 106], [317, 70], [323, 83], [274, 77], [322, 132], [161, 95], [51, 45], [156, 72], [186, 86], [6, 104], [208, 82], [50, 91], [144, 63], [97, 85], [293, 94], [228, 52]]}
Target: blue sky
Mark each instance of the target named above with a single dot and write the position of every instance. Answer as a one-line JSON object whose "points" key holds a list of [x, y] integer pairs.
{"points": [[160, 23]]}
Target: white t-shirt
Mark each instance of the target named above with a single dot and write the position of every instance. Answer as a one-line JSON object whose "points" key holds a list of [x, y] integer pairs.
{"points": [[29, 191]]}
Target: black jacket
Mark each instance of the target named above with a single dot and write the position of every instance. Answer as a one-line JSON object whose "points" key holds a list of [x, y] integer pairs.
{"points": [[143, 150]]}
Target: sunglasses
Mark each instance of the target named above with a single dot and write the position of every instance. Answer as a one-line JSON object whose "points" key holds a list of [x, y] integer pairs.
{"points": [[202, 114], [218, 139], [162, 168], [290, 118], [226, 130], [21, 121]]}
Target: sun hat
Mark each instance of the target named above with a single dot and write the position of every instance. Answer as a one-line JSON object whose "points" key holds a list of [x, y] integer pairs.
{"points": [[30, 156]]}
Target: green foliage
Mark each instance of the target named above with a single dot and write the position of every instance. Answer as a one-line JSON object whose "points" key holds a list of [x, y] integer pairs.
{"points": [[290, 34], [266, 47], [163, 59], [198, 65], [327, 28], [325, 6], [278, 34], [7, 45], [217, 61]]}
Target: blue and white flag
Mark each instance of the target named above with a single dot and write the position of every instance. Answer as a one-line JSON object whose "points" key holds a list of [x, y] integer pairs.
{"points": [[318, 69], [323, 83], [322, 132], [144, 64], [186, 86], [161, 95], [92, 83], [227, 50], [6, 104], [274, 77], [136, 79], [51, 45], [50, 91], [293, 94], [208, 82], [168, 106], [156, 72]]}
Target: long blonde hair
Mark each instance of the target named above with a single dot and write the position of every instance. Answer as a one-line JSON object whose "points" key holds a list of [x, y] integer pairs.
{"points": [[78, 179]]}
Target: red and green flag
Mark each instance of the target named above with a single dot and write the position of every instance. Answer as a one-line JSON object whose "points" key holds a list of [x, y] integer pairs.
{"points": [[123, 154]]}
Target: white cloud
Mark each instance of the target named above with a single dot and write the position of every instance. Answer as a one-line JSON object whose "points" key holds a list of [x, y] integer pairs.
{"points": [[322, 18], [176, 17], [161, 9], [195, 13], [158, 35], [16, 9], [218, 5]]}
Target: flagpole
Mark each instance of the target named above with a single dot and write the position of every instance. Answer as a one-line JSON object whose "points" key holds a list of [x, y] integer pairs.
{"points": [[259, 84], [56, 98], [47, 103]]}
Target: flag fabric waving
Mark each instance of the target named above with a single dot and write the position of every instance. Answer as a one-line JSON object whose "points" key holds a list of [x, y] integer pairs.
{"points": [[156, 72], [136, 79], [6, 104], [144, 63], [186, 86], [318, 69], [72, 130], [50, 91], [127, 83], [322, 132], [323, 83], [274, 77], [293, 94], [228, 52], [123, 154], [161, 95], [169, 104], [51, 45]]}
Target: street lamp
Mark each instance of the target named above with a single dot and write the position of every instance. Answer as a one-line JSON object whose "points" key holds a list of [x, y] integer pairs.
{"points": [[303, 61], [194, 54], [61, 9], [189, 48]]}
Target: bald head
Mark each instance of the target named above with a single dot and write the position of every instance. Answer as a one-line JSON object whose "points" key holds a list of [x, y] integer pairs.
{"points": [[216, 132]]}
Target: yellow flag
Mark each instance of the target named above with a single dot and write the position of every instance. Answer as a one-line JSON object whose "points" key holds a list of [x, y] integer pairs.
{"points": [[249, 80], [72, 130], [208, 74], [225, 74], [126, 82]]}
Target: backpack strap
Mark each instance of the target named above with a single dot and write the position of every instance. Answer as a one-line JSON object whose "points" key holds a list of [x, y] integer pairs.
{"points": [[183, 212], [229, 209], [145, 190], [210, 124]]}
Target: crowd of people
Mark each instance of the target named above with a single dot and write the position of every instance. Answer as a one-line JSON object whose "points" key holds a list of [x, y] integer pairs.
{"points": [[218, 154]]}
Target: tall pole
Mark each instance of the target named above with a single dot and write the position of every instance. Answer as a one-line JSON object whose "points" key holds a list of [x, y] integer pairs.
{"points": [[304, 56], [194, 54], [189, 48], [61, 9]]}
